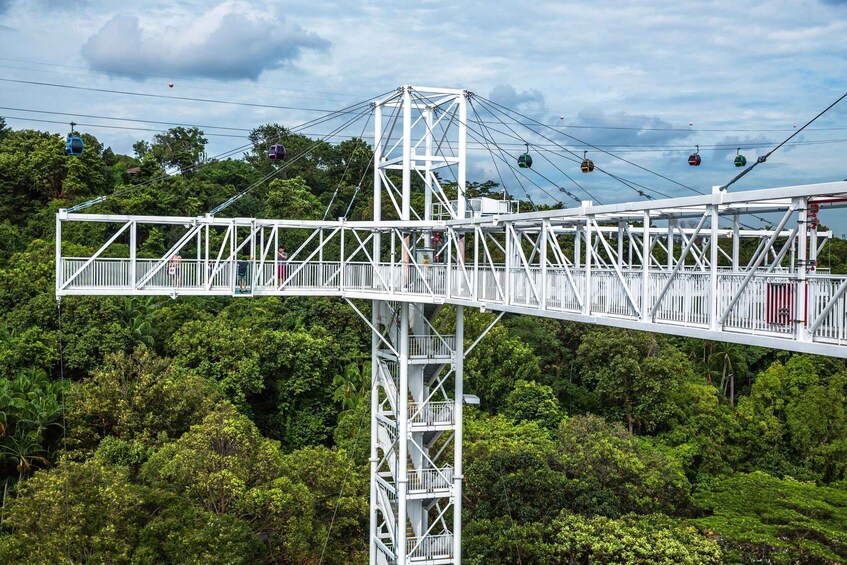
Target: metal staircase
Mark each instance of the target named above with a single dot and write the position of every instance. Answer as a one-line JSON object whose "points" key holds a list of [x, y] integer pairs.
{"points": [[416, 421]]}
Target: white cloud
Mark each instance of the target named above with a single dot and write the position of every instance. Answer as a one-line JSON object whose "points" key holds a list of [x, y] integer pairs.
{"points": [[232, 40]]}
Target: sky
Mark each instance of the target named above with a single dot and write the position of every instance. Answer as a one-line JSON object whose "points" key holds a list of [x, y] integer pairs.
{"points": [[646, 81]]}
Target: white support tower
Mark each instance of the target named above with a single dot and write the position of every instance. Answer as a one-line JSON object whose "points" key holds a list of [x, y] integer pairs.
{"points": [[416, 420]]}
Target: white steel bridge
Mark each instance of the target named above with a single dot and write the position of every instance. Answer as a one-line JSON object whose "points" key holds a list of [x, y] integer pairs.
{"points": [[682, 266]]}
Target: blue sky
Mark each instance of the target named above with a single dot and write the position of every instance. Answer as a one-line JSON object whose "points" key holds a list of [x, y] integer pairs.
{"points": [[647, 80]]}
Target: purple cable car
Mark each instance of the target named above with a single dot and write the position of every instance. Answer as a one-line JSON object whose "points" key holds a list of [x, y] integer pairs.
{"points": [[276, 152]]}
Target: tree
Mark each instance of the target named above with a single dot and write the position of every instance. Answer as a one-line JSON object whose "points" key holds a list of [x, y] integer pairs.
{"points": [[616, 472], [292, 199], [223, 353], [338, 489], [759, 518], [634, 373], [79, 512], [512, 469], [631, 540], [136, 397], [216, 462], [179, 147], [497, 362], [138, 317], [728, 358], [504, 541], [530, 401]]}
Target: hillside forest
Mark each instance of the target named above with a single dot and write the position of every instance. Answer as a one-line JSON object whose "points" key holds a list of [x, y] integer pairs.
{"points": [[230, 430]]}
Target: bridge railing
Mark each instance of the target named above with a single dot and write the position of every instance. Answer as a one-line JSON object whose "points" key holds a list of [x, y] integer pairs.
{"points": [[430, 480], [766, 304], [430, 547]]}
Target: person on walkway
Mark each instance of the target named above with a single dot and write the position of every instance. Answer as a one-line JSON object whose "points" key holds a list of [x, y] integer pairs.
{"points": [[282, 258], [174, 270], [242, 273]]}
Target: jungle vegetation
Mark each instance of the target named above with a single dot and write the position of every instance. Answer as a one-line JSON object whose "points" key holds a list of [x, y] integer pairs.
{"points": [[212, 430]]}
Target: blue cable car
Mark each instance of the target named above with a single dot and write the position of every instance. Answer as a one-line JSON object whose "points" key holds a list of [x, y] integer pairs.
{"points": [[276, 152], [74, 145]]}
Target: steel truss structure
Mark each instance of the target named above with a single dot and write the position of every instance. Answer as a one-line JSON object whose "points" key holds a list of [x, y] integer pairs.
{"points": [[682, 266]]}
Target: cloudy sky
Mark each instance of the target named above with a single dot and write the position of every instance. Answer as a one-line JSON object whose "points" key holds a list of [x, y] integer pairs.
{"points": [[644, 80]]}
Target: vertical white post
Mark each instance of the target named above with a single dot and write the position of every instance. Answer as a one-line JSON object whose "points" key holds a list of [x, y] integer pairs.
{"points": [[577, 246], [205, 260], [645, 269], [671, 224], [341, 278], [375, 307], [621, 226], [374, 459], [713, 267], [461, 174], [276, 276], [476, 236], [407, 154], [507, 286], [802, 266], [403, 430], [543, 257], [589, 251], [428, 174], [133, 264], [59, 260], [458, 372], [736, 242], [232, 258], [377, 192]]}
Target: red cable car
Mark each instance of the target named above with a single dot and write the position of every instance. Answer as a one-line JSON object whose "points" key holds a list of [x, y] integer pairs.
{"points": [[694, 159]]}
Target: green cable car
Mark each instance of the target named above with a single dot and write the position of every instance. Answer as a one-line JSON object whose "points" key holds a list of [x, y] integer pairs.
{"points": [[740, 160], [525, 160]]}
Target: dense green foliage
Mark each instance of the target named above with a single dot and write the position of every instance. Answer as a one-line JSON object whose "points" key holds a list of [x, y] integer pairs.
{"points": [[209, 430]]}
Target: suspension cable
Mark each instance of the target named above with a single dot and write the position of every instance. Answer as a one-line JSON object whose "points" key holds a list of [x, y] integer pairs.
{"points": [[346, 167], [195, 166], [287, 164], [573, 156], [763, 158], [501, 109]]}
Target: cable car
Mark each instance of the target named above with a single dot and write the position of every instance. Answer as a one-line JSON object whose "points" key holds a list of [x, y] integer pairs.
{"points": [[276, 152], [587, 165], [740, 160], [694, 159], [74, 145], [525, 160]]}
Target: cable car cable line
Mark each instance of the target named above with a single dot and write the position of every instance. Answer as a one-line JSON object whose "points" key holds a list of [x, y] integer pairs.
{"points": [[763, 158], [500, 108], [139, 120], [575, 158], [287, 164], [488, 130], [315, 121], [180, 78], [503, 156], [620, 148], [346, 167], [106, 126], [149, 95]]}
